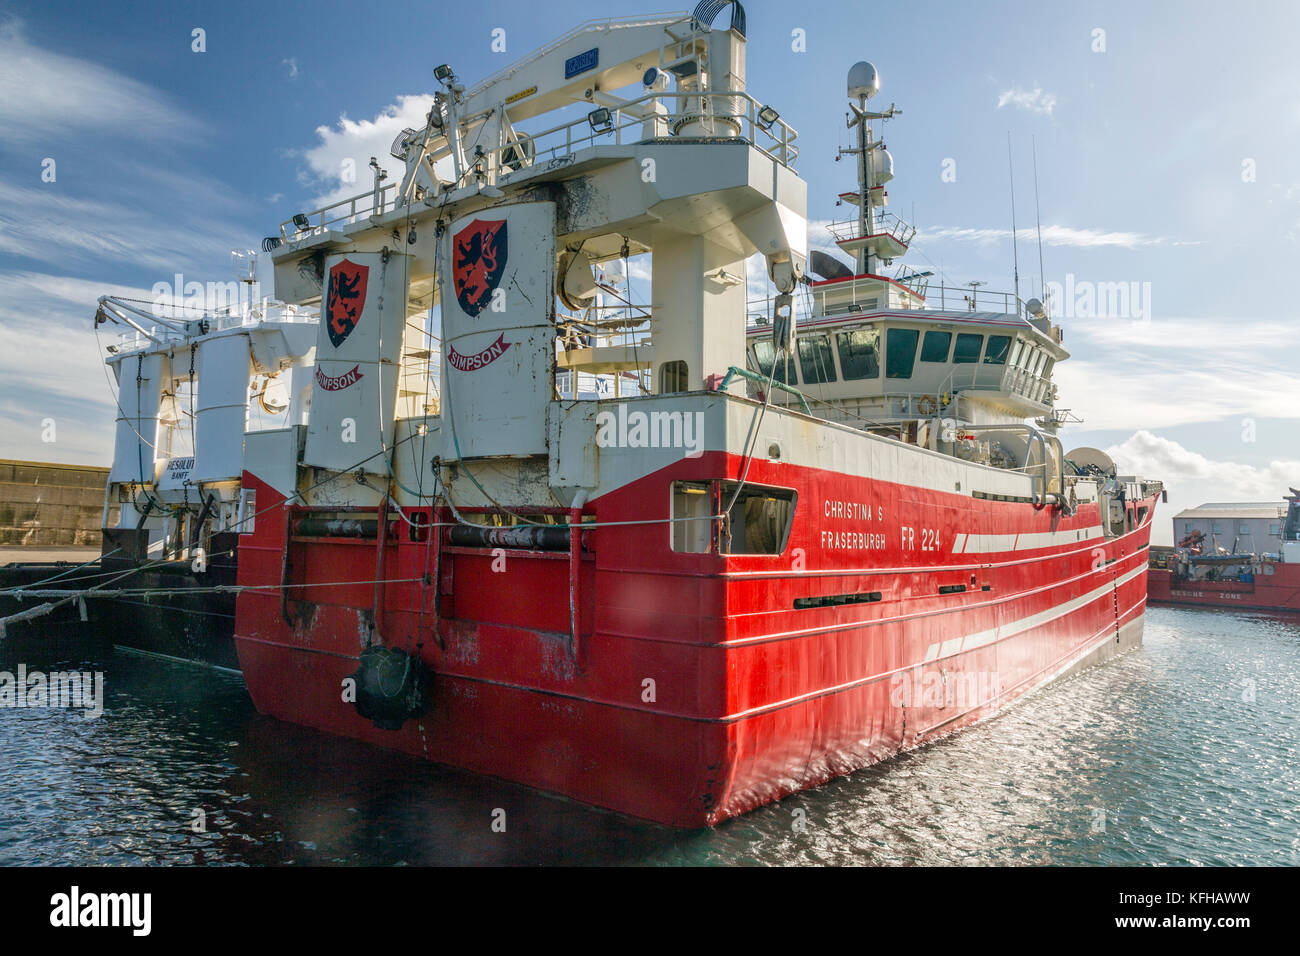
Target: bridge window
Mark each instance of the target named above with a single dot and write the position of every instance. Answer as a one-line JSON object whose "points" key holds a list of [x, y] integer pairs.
{"points": [[967, 349], [935, 347], [859, 353], [900, 352], [816, 362], [1015, 352], [765, 355], [995, 353]]}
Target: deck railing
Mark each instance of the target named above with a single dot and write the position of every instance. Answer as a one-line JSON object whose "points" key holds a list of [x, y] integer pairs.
{"points": [[884, 224], [842, 300], [720, 116]]}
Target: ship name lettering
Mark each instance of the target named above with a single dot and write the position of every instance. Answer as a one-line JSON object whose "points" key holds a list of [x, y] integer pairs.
{"points": [[853, 540], [853, 510]]}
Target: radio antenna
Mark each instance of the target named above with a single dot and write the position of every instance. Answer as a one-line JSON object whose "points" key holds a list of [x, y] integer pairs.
{"points": [[1042, 289], [1015, 252]]}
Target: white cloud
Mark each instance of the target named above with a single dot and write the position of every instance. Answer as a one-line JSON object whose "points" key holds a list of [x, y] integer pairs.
{"points": [[343, 151], [1178, 371], [1032, 101], [1194, 479], [1256, 341], [1148, 454], [292, 64], [1065, 236], [67, 386], [1118, 388], [45, 222], [44, 93], [52, 367], [27, 294]]}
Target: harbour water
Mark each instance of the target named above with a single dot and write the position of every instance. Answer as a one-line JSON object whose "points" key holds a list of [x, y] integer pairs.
{"points": [[1181, 753]]}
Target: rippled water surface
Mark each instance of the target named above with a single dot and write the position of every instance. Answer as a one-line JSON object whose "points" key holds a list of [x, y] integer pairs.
{"points": [[1182, 752]]}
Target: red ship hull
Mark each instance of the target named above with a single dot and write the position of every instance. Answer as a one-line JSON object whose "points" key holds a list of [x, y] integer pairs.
{"points": [[1279, 591], [697, 690]]}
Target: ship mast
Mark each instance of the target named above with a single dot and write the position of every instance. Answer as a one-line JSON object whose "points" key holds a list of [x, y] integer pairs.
{"points": [[864, 83]]}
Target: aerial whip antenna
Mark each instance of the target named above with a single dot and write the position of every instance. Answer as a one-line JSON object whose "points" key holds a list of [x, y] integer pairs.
{"points": [[1015, 252], [1039, 216]]}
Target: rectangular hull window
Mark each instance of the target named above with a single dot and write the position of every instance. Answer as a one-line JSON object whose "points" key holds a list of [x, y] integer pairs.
{"points": [[760, 520], [692, 506], [247, 519], [758, 523]]}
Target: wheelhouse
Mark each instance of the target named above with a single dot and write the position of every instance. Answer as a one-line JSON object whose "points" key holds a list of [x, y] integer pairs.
{"points": [[888, 365]]}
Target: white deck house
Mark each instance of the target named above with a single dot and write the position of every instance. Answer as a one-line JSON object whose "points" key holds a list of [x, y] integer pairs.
{"points": [[1235, 526]]}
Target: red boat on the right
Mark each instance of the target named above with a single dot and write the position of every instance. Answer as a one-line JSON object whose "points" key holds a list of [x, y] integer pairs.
{"points": [[1202, 571]]}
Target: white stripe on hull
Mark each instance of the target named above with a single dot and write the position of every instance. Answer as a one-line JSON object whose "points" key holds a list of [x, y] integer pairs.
{"points": [[980, 638], [992, 543]]}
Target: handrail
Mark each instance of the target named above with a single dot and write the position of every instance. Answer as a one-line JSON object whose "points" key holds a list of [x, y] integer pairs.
{"points": [[1043, 496], [775, 140], [934, 299], [318, 221], [886, 224]]}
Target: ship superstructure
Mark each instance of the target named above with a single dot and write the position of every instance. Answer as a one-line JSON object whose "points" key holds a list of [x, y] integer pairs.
{"points": [[750, 556], [190, 383]]}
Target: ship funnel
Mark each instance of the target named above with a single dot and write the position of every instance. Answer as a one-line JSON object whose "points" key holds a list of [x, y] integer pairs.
{"points": [[864, 81]]}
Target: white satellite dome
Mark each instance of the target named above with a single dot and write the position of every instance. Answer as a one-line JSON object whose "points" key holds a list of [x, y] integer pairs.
{"points": [[882, 166], [863, 80]]}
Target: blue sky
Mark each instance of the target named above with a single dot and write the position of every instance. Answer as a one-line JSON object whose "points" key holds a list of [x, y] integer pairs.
{"points": [[1167, 154]]}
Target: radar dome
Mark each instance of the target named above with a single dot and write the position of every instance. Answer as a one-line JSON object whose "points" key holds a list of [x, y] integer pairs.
{"points": [[863, 80], [1035, 308], [1092, 456]]}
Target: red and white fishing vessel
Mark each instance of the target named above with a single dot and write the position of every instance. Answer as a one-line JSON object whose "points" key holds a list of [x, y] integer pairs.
{"points": [[672, 599], [1200, 572]]}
